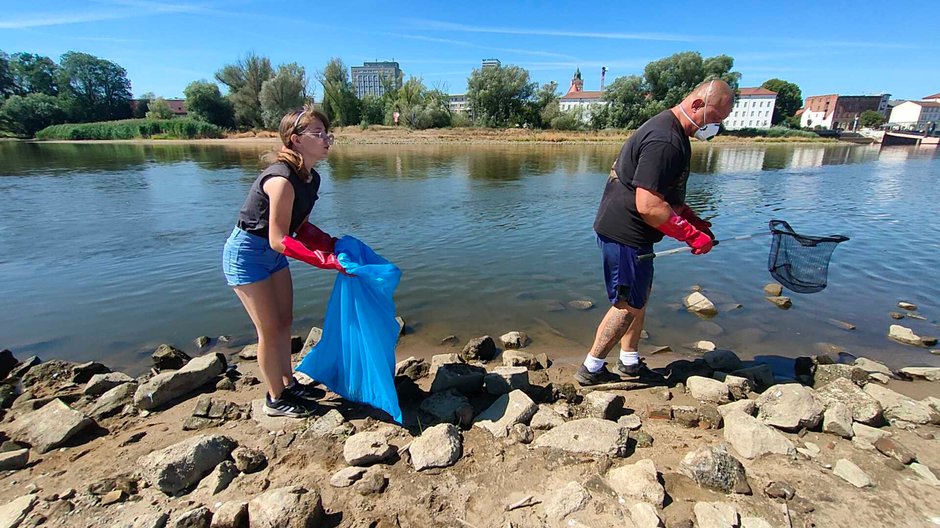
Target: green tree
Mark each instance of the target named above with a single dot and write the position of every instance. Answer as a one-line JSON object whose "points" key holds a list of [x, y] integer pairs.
{"points": [[283, 93], [544, 105], [93, 89], [140, 109], [670, 79], [871, 119], [789, 99], [7, 84], [339, 100], [244, 80], [27, 114], [159, 109], [33, 74], [204, 101], [372, 110], [627, 102], [498, 96]]}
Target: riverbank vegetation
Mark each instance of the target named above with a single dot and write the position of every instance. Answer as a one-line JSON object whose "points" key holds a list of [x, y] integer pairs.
{"points": [[92, 98]]}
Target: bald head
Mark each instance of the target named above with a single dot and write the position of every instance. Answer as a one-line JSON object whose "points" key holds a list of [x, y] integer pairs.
{"points": [[709, 102]]}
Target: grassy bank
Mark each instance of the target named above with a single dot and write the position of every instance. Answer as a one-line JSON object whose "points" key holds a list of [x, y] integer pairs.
{"points": [[132, 129]]}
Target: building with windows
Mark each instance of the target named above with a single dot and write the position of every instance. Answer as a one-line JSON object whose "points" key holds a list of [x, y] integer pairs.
{"points": [[491, 63], [840, 112], [372, 78], [935, 98], [458, 103], [915, 114], [753, 108], [579, 100]]}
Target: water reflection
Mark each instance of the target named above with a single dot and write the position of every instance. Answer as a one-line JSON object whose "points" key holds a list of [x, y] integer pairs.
{"points": [[491, 238]]}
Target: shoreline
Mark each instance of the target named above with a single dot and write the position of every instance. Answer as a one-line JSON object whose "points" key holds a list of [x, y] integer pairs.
{"points": [[383, 135]]}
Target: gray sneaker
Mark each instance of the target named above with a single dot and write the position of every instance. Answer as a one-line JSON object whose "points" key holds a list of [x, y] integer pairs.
{"points": [[585, 377], [639, 370]]}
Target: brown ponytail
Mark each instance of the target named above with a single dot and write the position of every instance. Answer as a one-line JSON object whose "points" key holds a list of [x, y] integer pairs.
{"points": [[294, 123]]}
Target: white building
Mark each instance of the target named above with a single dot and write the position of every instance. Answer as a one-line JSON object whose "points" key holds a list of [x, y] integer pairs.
{"points": [[753, 108], [915, 114], [458, 103], [579, 100], [935, 98]]}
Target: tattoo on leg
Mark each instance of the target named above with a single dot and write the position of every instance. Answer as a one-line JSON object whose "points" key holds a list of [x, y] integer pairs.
{"points": [[611, 329]]}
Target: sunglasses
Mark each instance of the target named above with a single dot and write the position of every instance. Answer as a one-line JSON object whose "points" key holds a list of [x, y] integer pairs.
{"points": [[329, 138]]}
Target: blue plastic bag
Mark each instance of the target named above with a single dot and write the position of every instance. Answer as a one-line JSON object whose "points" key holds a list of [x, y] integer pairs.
{"points": [[355, 356]]}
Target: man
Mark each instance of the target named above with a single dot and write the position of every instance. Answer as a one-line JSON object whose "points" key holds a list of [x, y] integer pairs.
{"points": [[643, 200]]}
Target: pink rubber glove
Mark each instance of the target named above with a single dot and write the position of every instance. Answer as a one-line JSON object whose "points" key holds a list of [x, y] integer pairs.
{"points": [[315, 238], [702, 225], [680, 229], [322, 259]]}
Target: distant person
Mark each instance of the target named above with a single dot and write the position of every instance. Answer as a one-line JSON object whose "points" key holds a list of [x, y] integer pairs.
{"points": [[643, 200], [273, 223]]}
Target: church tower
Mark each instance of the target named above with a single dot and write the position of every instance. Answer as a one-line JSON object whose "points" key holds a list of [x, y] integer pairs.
{"points": [[577, 85]]}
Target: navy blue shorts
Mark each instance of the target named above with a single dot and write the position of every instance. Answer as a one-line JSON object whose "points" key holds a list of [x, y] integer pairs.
{"points": [[628, 278]]}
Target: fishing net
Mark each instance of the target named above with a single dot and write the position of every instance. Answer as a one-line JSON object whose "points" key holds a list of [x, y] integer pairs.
{"points": [[799, 262]]}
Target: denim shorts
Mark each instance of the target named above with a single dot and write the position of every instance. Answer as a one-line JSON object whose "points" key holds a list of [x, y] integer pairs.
{"points": [[628, 279], [249, 258]]}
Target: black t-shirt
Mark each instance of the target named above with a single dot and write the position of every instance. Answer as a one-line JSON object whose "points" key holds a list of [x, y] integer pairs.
{"points": [[656, 158], [255, 213]]}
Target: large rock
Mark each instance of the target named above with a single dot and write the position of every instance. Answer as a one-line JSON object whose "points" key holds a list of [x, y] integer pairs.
{"points": [[546, 418], [84, 372], [898, 407], [644, 515], [506, 411], [290, 507], [219, 479], [113, 401], [826, 374], [851, 474], [168, 357], [168, 386], [864, 437], [467, 379], [479, 348], [513, 340], [700, 305], [708, 390], [13, 460], [183, 464], [102, 383], [365, 449], [751, 438], [565, 500], [449, 406], [865, 409], [504, 380], [713, 467], [438, 446], [520, 358], [412, 368], [199, 517], [723, 360], [637, 482], [837, 420], [231, 514], [591, 436], [927, 373], [873, 367], [926, 474], [50, 426], [604, 404], [890, 447], [790, 407], [14, 512], [249, 459], [716, 515], [905, 335]]}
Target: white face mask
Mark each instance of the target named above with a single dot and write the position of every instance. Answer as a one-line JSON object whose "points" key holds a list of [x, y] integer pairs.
{"points": [[707, 130]]}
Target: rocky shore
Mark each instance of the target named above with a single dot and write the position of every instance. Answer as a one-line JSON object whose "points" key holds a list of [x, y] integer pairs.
{"points": [[493, 436]]}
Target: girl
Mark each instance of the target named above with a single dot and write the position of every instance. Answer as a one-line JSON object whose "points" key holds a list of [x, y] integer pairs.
{"points": [[273, 224]]}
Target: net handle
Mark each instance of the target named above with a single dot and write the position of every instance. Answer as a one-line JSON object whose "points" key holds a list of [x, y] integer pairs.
{"points": [[687, 248]]}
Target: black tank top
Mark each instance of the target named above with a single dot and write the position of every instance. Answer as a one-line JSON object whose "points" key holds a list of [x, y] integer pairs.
{"points": [[255, 215]]}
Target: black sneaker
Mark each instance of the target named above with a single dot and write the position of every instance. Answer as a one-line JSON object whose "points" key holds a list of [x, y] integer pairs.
{"points": [[304, 392], [639, 370], [586, 377], [286, 406]]}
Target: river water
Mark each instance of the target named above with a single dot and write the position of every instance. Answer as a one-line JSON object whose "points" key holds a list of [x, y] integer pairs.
{"points": [[111, 249]]}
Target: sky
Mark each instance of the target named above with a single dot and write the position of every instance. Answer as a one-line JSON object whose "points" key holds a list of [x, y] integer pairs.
{"points": [[846, 47]]}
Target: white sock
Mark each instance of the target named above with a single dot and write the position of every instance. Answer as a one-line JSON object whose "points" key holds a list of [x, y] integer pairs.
{"points": [[629, 357], [594, 364]]}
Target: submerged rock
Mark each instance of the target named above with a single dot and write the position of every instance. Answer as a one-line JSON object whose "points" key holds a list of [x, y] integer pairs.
{"points": [[698, 304]]}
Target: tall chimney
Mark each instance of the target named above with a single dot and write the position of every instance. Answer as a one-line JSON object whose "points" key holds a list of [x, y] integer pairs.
{"points": [[603, 74]]}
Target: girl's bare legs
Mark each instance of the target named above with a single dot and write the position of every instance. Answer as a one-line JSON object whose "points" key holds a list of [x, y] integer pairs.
{"points": [[265, 302]]}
